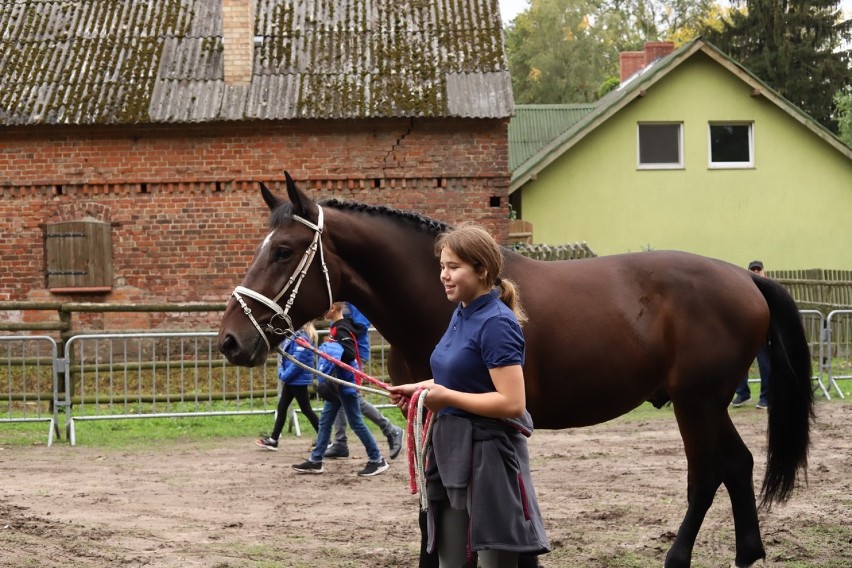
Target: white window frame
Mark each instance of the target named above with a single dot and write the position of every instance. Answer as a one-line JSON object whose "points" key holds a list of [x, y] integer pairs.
{"points": [[730, 165], [660, 166]]}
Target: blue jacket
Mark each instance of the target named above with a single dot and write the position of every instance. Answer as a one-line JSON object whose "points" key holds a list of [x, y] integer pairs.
{"points": [[292, 374], [364, 336], [334, 349]]}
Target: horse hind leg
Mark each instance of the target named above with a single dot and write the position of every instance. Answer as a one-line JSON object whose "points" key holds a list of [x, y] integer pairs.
{"points": [[738, 480], [715, 455]]}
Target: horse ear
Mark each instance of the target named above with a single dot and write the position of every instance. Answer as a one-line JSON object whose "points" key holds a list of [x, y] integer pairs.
{"points": [[302, 204], [271, 200]]}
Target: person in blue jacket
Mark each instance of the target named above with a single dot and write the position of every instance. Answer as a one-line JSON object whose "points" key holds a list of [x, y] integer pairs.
{"points": [[340, 345], [394, 434], [296, 381]]}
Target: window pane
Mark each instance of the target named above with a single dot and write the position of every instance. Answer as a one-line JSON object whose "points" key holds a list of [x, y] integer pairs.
{"points": [[729, 143], [659, 143]]}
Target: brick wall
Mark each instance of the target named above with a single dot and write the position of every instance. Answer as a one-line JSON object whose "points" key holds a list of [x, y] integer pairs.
{"points": [[184, 207]]}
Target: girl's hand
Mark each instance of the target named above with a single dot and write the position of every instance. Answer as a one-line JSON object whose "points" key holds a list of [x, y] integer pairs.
{"points": [[437, 398], [400, 395]]}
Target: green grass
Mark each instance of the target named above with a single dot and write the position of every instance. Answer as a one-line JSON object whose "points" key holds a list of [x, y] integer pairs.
{"points": [[153, 432], [156, 432]]}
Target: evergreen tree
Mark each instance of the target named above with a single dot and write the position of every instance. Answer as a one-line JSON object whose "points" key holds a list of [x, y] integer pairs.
{"points": [[843, 103], [800, 48]]}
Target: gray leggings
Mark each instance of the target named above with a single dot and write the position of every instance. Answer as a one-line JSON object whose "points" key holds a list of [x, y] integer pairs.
{"points": [[452, 542]]}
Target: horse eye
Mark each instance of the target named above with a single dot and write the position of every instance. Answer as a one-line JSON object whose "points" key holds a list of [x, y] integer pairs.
{"points": [[283, 254]]}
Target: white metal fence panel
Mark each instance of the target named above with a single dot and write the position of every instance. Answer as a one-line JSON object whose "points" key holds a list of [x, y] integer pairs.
{"points": [[838, 347], [160, 375], [29, 381], [815, 331]]}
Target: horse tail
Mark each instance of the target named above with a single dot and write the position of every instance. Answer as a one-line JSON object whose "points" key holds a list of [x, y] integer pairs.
{"points": [[790, 396]]}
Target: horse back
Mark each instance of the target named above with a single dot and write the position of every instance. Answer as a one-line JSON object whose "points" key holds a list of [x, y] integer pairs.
{"points": [[627, 328]]}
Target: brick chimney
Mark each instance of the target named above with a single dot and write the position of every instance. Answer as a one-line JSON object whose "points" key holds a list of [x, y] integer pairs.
{"points": [[656, 49], [632, 61], [238, 37]]}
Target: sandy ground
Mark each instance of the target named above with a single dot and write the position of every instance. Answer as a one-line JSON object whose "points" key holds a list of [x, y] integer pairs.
{"points": [[612, 495]]}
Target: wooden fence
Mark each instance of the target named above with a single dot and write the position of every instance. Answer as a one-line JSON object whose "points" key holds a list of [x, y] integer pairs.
{"points": [[817, 289]]}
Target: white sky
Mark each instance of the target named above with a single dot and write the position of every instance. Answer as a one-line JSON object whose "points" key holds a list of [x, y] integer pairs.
{"points": [[511, 8]]}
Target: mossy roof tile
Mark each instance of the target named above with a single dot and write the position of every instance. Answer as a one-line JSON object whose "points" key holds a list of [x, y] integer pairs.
{"points": [[136, 61]]}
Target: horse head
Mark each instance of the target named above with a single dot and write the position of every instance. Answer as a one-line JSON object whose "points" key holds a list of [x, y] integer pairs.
{"points": [[287, 284]]}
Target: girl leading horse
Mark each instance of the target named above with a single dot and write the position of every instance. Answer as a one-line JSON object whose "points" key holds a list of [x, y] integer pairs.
{"points": [[653, 326]]}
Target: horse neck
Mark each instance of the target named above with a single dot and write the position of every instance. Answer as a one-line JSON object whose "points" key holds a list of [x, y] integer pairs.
{"points": [[389, 271]]}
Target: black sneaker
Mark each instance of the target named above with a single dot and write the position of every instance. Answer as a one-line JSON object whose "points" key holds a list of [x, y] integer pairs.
{"points": [[762, 405], [308, 467], [395, 442], [374, 468], [334, 453], [267, 443], [740, 400]]}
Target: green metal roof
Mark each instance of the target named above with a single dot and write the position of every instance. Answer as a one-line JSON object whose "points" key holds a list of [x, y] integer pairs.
{"points": [[534, 126]]}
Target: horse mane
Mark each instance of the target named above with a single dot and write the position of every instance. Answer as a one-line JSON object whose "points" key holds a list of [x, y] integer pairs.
{"points": [[434, 227]]}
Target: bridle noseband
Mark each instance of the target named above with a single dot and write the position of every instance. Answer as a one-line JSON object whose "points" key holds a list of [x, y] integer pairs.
{"points": [[295, 280]]}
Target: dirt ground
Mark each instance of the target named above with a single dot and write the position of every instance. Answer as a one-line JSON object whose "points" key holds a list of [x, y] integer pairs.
{"points": [[612, 495]]}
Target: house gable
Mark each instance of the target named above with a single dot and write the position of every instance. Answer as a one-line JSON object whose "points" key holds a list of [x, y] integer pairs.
{"points": [[595, 192], [638, 85]]}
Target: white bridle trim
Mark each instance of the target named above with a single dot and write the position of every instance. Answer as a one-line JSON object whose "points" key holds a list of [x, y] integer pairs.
{"points": [[295, 280]]}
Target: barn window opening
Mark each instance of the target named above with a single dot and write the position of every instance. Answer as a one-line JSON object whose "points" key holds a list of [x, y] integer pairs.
{"points": [[59, 190], [494, 201], [143, 187], [377, 183], [439, 182], [218, 187], [78, 257]]}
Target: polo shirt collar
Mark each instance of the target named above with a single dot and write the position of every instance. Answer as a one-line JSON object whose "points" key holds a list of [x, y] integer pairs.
{"points": [[474, 306]]}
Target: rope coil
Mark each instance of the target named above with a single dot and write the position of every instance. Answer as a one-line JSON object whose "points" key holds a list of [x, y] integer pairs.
{"points": [[419, 439]]}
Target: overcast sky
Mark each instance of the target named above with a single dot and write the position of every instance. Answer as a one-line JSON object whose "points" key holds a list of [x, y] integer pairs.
{"points": [[511, 8]]}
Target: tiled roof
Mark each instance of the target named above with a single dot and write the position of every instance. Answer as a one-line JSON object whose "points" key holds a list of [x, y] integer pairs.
{"points": [[139, 61]]}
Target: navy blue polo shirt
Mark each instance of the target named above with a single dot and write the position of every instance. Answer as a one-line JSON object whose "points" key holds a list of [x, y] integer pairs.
{"points": [[482, 336]]}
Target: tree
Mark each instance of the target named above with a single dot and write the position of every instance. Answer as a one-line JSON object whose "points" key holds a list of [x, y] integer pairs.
{"points": [[562, 51], [795, 46], [714, 20], [843, 104]]}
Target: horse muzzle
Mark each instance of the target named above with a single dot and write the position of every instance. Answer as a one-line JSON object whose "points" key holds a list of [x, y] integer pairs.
{"points": [[243, 351]]}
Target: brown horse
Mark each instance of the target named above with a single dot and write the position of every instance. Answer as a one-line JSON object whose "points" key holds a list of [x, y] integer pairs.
{"points": [[604, 335]]}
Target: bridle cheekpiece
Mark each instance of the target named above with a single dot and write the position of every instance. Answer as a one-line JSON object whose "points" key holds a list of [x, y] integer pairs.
{"points": [[295, 281]]}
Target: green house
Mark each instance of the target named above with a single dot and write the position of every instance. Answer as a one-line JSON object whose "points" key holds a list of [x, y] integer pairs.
{"points": [[691, 152]]}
